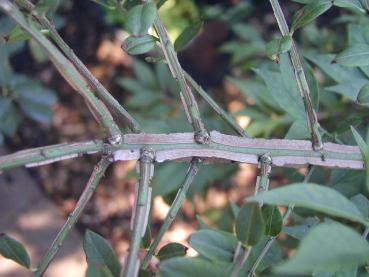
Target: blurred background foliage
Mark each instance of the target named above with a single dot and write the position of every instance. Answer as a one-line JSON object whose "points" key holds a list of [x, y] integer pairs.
{"points": [[228, 58]]}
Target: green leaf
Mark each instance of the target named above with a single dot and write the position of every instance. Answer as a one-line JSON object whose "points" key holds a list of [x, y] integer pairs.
{"points": [[362, 203], [100, 271], [140, 18], [353, 5], [356, 55], [364, 149], [196, 267], [14, 250], [299, 231], [34, 92], [138, 45], [363, 96], [249, 224], [45, 6], [144, 74], [298, 130], [187, 36], [100, 254], [309, 13], [329, 246], [171, 250], [278, 46], [214, 245], [311, 196], [37, 112], [273, 220]]}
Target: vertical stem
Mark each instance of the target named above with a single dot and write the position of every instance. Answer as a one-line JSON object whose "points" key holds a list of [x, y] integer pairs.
{"points": [[190, 104], [140, 214], [172, 213], [312, 119], [108, 99], [271, 240], [262, 184], [221, 112], [92, 183]]}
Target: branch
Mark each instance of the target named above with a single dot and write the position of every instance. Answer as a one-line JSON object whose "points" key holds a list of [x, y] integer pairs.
{"points": [[221, 112], [312, 119], [271, 240], [66, 69], [189, 101], [101, 91], [182, 146], [92, 183], [172, 213], [49, 154], [141, 212]]}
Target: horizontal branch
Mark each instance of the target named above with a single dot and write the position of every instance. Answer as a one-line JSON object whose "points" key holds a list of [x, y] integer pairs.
{"points": [[182, 146]]}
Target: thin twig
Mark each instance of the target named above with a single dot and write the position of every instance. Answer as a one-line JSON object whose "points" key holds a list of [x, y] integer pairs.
{"points": [[190, 104], [101, 91], [218, 109], [140, 214], [172, 213], [312, 119], [180, 146], [262, 184], [271, 240], [92, 183], [66, 69]]}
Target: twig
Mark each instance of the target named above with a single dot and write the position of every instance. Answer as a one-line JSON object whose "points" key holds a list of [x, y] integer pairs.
{"points": [[102, 92], [172, 213], [181, 146], [262, 184], [271, 240], [218, 109], [140, 214], [312, 119], [66, 69], [92, 183], [190, 104]]}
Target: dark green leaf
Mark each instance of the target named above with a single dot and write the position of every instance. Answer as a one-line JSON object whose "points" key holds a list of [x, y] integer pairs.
{"points": [[353, 5], [98, 271], [37, 112], [196, 267], [329, 246], [362, 203], [311, 196], [171, 250], [298, 130], [138, 45], [273, 220], [187, 35], [278, 46], [140, 18], [100, 254], [364, 149], [310, 12], [214, 245], [35, 93], [363, 96], [356, 55], [249, 224], [14, 250]]}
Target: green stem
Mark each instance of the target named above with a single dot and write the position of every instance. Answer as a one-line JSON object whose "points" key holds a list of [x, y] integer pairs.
{"points": [[312, 119], [92, 183], [67, 70], [218, 109], [190, 104], [271, 240], [140, 214], [172, 213], [101, 91]]}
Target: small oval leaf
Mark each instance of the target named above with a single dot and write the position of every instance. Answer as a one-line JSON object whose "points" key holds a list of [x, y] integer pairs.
{"points": [[138, 45], [171, 250], [310, 12], [278, 46], [187, 35], [312, 196], [249, 224], [363, 96], [214, 245], [273, 220], [100, 254], [14, 250], [140, 18]]}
